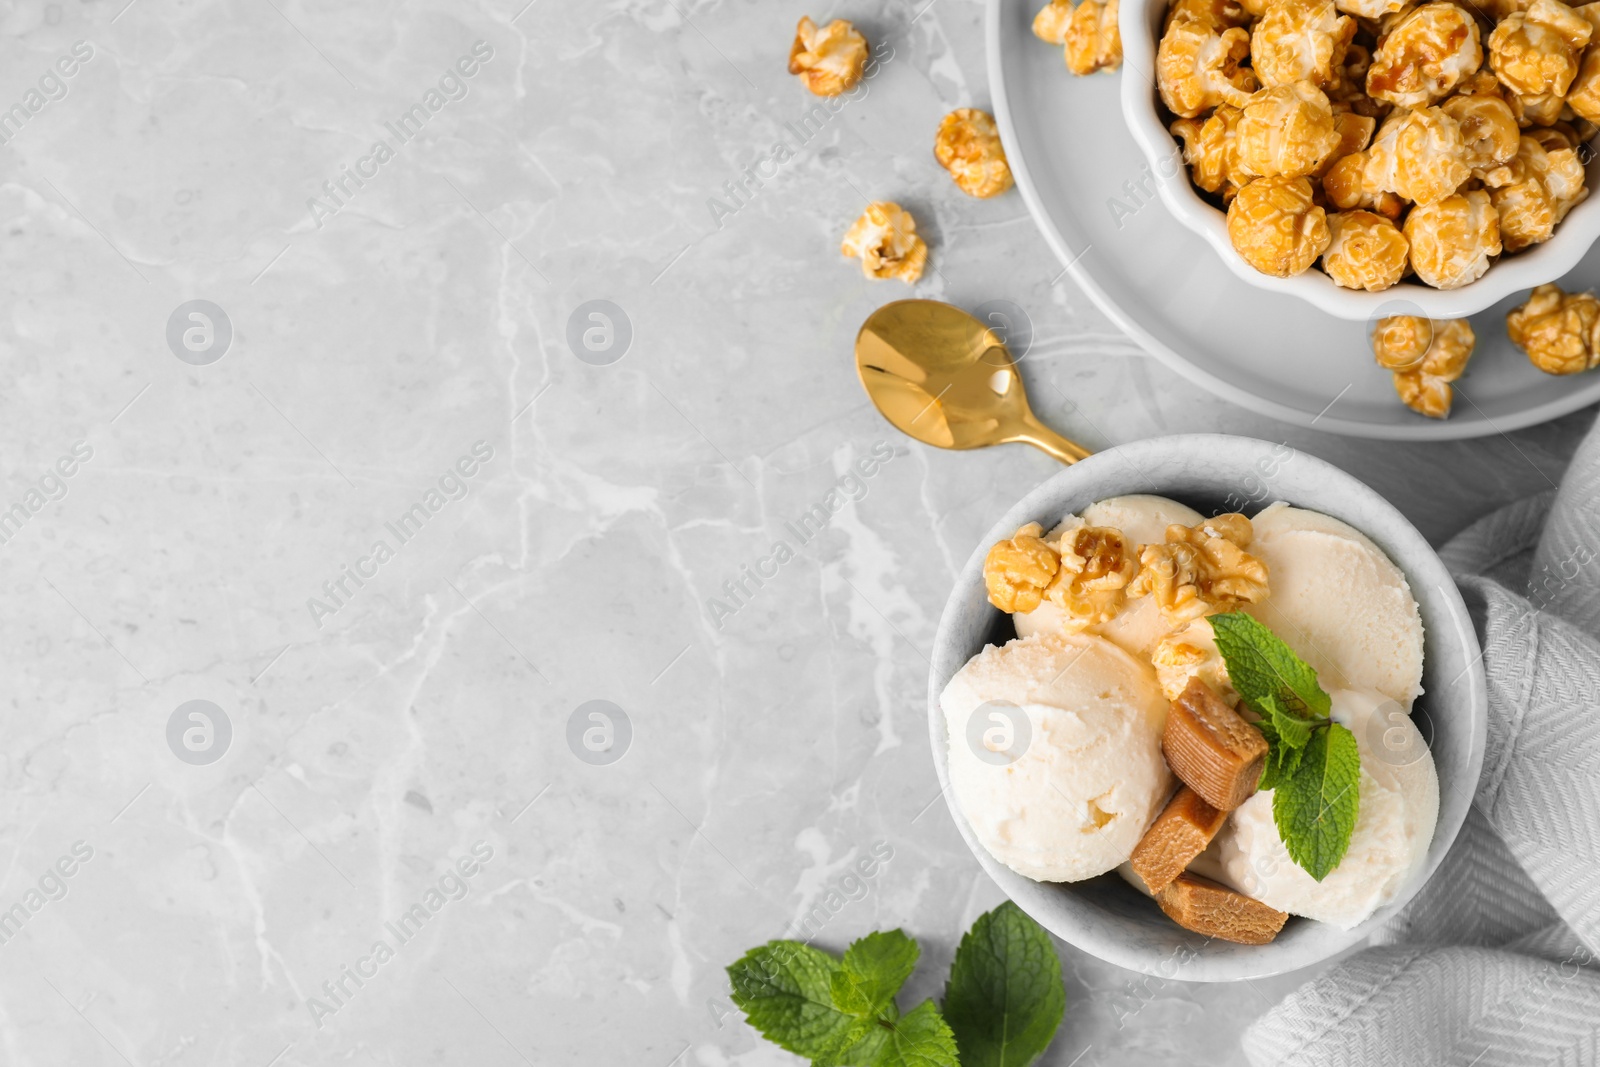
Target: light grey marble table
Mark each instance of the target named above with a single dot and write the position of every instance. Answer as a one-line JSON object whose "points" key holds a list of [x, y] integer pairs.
{"points": [[395, 369]]}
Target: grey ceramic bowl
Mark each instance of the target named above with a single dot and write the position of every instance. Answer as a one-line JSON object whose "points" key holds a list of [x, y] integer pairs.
{"points": [[1213, 473]]}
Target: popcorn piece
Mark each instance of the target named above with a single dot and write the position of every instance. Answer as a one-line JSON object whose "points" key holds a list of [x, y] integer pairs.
{"points": [[1348, 187], [1202, 569], [1367, 251], [1198, 67], [1017, 572], [1092, 42], [1536, 51], [1560, 332], [1419, 155], [1180, 833], [1276, 225], [1096, 566], [1423, 380], [1211, 149], [1349, 91], [1489, 133], [1213, 910], [968, 146], [1050, 24], [1371, 9], [1287, 130], [885, 239], [1452, 240], [1220, 13], [1584, 94], [1355, 133], [1425, 55], [1543, 109], [1534, 192], [1187, 654], [1211, 748], [830, 60], [1299, 40]]}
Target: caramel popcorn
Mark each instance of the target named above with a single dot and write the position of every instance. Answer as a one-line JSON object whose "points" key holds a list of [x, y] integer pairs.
{"points": [[1092, 42], [1287, 130], [1198, 67], [1536, 51], [1299, 40], [1489, 133], [1348, 187], [1426, 356], [1559, 331], [1223, 13], [885, 239], [1535, 190], [1276, 225], [1371, 9], [1211, 149], [968, 146], [1050, 24], [1017, 572], [1452, 240], [1097, 565], [1201, 570], [1584, 94], [1366, 251], [1425, 56], [1355, 133], [829, 60], [1543, 109], [1188, 654], [1419, 155]]}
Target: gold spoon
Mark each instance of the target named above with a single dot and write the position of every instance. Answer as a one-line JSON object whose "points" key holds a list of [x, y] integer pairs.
{"points": [[946, 379]]}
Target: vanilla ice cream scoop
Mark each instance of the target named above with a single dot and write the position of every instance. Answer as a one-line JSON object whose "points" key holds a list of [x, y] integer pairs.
{"points": [[1055, 753], [1338, 601], [1143, 520], [1399, 807]]}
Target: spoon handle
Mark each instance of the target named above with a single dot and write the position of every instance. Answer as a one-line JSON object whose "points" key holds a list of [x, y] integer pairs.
{"points": [[1047, 440]]}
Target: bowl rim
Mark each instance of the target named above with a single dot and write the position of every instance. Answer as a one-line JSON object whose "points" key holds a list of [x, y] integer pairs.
{"points": [[1262, 961], [1527, 269]]}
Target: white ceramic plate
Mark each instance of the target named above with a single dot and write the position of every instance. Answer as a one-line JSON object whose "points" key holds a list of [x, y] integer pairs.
{"points": [[1091, 191]]}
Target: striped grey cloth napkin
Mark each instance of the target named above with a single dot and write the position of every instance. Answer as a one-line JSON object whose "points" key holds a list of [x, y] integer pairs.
{"points": [[1496, 963]]}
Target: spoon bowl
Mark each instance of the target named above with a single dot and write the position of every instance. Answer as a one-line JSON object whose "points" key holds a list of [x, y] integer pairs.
{"points": [[946, 379]]}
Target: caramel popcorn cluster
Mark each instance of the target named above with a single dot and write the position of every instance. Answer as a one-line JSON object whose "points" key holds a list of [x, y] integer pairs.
{"points": [[1201, 570], [885, 240], [831, 59], [968, 146], [1085, 573], [1388, 139], [1425, 356], [1560, 332], [1086, 33]]}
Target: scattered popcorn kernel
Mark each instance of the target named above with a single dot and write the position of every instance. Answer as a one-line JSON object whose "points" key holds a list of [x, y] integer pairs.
{"points": [[829, 60], [1096, 566], [1017, 572], [1489, 133], [1092, 42], [885, 239], [1198, 67], [1366, 251], [1425, 56], [1300, 40], [1211, 149], [1452, 240], [1535, 190], [1287, 130], [1050, 24], [1536, 51], [1276, 225], [968, 146], [1560, 332], [1419, 155], [1425, 356], [1201, 569]]}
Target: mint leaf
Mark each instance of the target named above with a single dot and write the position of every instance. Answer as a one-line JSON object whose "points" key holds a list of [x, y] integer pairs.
{"points": [[874, 969], [1281, 760], [1005, 996], [1316, 806], [1291, 730], [921, 1039], [783, 988], [1260, 665]]}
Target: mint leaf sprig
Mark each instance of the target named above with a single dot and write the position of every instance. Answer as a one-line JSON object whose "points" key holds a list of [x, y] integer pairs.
{"points": [[1003, 1002], [1313, 764]]}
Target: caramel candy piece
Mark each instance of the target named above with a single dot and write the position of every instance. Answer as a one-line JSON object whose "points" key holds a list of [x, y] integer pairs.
{"points": [[1180, 833], [1205, 907], [1211, 748]]}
